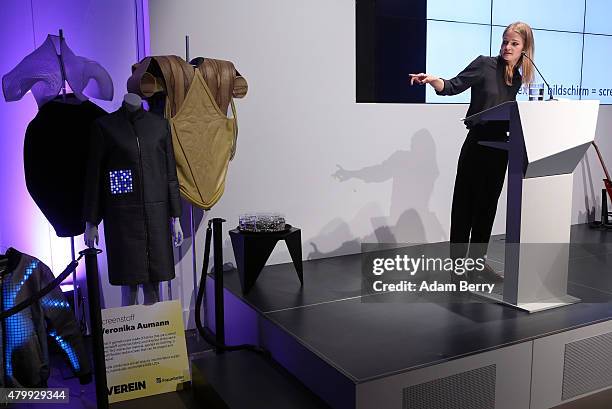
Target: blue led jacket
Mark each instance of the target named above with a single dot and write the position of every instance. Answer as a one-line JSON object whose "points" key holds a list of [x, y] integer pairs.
{"points": [[25, 355]]}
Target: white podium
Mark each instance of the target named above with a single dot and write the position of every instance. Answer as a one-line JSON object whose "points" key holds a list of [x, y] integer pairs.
{"points": [[547, 139]]}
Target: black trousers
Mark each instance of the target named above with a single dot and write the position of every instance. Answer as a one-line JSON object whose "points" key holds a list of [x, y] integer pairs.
{"points": [[479, 182]]}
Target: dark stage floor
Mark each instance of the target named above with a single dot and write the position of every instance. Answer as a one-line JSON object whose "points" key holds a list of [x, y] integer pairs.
{"points": [[331, 317]]}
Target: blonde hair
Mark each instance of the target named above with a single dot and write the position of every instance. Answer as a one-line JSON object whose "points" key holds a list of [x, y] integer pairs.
{"points": [[524, 64]]}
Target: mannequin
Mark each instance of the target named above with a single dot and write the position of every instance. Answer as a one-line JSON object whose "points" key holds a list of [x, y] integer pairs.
{"points": [[132, 103]]}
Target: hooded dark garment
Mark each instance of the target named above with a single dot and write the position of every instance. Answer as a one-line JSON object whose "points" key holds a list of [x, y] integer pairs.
{"points": [[25, 353], [55, 148], [131, 184], [55, 156]]}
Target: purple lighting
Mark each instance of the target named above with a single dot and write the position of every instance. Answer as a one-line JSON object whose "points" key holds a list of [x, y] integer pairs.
{"points": [[22, 225], [103, 31]]}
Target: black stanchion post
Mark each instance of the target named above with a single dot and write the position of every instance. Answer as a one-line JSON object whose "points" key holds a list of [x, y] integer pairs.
{"points": [[95, 317], [219, 310], [604, 208]]}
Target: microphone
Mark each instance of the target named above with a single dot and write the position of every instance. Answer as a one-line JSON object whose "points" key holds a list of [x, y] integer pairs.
{"points": [[536, 67]]}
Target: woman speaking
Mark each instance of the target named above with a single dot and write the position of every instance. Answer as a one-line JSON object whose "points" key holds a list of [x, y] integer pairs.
{"points": [[481, 169]]}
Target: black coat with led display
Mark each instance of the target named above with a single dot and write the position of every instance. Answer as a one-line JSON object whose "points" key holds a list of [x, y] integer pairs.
{"points": [[132, 186]]}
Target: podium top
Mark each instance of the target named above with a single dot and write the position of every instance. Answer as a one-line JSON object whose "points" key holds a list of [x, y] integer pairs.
{"points": [[499, 112], [503, 111], [555, 134]]}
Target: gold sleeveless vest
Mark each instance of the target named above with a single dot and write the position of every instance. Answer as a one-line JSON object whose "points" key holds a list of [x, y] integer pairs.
{"points": [[204, 141], [196, 102]]}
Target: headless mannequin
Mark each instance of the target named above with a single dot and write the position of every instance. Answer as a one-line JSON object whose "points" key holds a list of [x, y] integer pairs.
{"points": [[129, 293]]}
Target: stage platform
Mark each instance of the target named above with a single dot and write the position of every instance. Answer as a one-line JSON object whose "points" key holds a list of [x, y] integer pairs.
{"points": [[380, 351]]}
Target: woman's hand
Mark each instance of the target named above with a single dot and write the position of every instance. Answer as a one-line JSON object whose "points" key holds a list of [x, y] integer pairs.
{"points": [[422, 79]]}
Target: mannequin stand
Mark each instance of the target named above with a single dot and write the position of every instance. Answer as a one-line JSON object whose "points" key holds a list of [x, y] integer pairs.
{"points": [[129, 294]]}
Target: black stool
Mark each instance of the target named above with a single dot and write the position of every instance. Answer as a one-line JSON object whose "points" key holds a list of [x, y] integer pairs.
{"points": [[252, 250]]}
